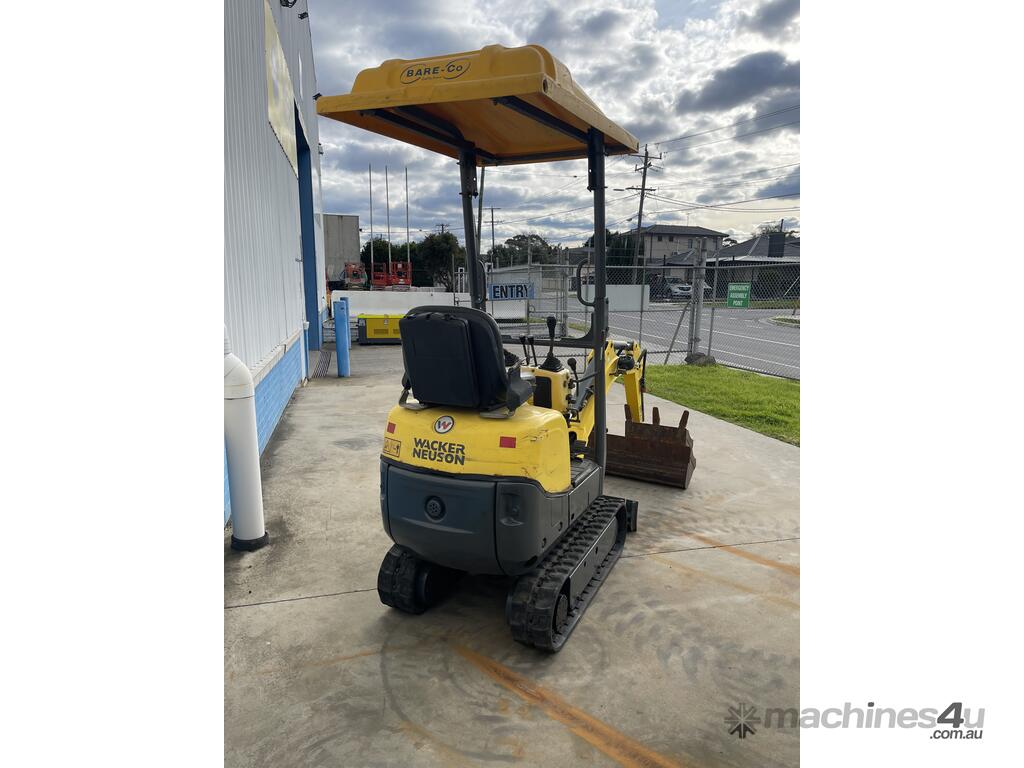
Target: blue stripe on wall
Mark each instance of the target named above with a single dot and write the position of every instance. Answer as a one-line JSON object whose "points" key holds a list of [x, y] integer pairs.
{"points": [[227, 489], [274, 391], [272, 395]]}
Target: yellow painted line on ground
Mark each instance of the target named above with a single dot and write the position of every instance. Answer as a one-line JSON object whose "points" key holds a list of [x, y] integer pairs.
{"points": [[613, 743], [791, 569], [735, 585]]}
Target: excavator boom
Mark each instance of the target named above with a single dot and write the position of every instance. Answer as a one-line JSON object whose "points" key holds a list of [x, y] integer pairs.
{"points": [[653, 453]]}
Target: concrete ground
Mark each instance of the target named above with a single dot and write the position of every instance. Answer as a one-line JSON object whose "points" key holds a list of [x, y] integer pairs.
{"points": [[700, 614]]}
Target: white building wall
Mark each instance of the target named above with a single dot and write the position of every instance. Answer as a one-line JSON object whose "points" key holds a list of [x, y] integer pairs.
{"points": [[298, 49], [341, 242], [263, 292]]}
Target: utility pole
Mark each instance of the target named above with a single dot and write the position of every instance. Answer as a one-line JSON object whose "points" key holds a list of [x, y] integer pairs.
{"points": [[492, 230], [441, 226], [371, 226], [387, 203], [697, 296], [640, 210], [480, 211], [408, 257]]}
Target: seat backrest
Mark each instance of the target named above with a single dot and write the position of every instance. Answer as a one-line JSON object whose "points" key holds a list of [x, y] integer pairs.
{"points": [[453, 357]]}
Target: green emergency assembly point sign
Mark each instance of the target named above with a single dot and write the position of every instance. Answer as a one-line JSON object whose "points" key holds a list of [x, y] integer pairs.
{"points": [[738, 295]]}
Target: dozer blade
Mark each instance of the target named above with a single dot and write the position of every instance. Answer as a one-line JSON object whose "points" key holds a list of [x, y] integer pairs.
{"points": [[652, 452]]}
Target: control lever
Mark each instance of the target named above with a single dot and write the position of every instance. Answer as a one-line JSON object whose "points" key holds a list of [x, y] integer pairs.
{"points": [[551, 363], [575, 374], [534, 348]]}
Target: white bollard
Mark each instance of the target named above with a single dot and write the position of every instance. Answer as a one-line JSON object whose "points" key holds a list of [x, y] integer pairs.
{"points": [[240, 437]]}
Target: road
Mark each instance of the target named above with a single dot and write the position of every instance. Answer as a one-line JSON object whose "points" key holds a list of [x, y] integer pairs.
{"points": [[742, 338]]}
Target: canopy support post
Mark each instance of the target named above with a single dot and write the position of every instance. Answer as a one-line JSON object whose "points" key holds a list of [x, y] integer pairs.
{"points": [[595, 177], [474, 270]]}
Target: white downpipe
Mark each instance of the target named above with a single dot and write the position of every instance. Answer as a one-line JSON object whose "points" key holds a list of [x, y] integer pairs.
{"points": [[248, 529]]}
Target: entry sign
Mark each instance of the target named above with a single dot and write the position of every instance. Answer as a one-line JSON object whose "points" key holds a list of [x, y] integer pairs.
{"points": [[511, 291], [739, 295]]}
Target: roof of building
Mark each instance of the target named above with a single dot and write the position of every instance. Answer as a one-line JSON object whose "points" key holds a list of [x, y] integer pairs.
{"points": [[756, 249], [672, 229], [683, 259]]}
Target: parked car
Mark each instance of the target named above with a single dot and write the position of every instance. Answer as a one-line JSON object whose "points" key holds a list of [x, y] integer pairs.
{"points": [[680, 291], [660, 288]]}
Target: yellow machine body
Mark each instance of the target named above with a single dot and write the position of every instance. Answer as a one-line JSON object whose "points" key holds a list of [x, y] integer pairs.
{"points": [[560, 384], [532, 443]]}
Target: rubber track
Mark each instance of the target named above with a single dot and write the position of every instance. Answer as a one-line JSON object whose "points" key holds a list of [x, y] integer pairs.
{"points": [[396, 580], [534, 597]]}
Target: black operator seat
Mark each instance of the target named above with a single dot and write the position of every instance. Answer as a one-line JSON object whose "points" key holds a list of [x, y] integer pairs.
{"points": [[453, 357]]}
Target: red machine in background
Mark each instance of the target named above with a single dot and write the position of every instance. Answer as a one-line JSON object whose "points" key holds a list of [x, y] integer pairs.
{"points": [[352, 278], [355, 276], [397, 278], [379, 276], [401, 275]]}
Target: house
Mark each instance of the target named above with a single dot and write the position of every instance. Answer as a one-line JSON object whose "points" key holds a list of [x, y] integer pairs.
{"points": [[770, 263], [662, 242], [773, 248]]}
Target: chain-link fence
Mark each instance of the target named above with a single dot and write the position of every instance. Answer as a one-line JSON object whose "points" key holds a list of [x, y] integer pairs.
{"points": [[744, 314]]}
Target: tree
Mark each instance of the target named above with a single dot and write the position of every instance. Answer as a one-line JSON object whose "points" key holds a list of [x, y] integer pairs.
{"points": [[530, 247], [589, 242], [618, 247], [501, 255], [767, 229], [380, 252], [435, 253]]}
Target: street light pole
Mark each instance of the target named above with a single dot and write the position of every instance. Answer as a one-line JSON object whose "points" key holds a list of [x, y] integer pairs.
{"points": [[408, 256], [371, 226]]}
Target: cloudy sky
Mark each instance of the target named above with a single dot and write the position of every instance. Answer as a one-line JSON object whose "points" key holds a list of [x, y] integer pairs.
{"points": [[714, 87]]}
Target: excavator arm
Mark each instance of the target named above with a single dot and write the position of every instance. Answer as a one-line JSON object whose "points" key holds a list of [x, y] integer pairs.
{"points": [[649, 452]]}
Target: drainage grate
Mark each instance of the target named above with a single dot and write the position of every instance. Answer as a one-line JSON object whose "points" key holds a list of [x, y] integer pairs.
{"points": [[323, 365]]}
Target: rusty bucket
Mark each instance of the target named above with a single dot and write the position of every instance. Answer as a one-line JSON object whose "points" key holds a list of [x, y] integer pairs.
{"points": [[652, 452]]}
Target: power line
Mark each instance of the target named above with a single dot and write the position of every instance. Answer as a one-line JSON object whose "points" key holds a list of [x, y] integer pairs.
{"points": [[587, 232], [732, 138], [732, 185], [569, 210], [506, 170], [688, 205], [572, 181], [731, 125], [552, 213], [741, 175], [734, 202]]}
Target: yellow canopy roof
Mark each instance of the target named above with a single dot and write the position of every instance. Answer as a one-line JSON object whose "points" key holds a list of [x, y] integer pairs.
{"points": [[511, 105]]}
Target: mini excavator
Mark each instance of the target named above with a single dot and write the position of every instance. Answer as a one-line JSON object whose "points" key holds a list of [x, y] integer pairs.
{"points": [[492, 463]]}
